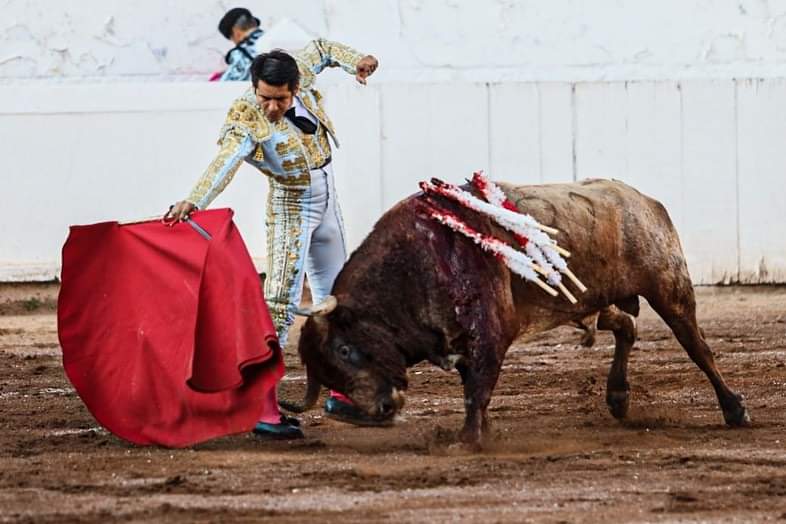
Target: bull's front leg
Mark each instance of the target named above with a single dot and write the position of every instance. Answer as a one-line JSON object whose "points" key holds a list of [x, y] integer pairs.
{"points": [[479, 375]]}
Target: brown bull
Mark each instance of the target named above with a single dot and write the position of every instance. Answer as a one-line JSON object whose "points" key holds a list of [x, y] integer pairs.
{"points": [[415, 290]]}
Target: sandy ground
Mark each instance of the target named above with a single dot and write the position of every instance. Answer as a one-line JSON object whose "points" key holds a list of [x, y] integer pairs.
{"points": [[557, 456]]}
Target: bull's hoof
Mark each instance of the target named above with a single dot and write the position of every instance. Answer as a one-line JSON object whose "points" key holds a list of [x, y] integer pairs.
{"points": [[471, 439], [736, 415], [462, 448], [588, 339], [618, 402]]}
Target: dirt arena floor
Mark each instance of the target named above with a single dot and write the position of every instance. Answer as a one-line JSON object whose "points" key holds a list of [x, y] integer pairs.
{"points": [[557, 455]]}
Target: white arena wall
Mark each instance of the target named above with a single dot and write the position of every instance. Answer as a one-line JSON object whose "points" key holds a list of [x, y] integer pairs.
{"points": [[105, 112], [417, 40], [711, 150]]}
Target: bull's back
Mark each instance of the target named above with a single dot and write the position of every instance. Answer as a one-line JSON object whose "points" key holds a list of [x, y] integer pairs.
{"points": [[619, 238]]}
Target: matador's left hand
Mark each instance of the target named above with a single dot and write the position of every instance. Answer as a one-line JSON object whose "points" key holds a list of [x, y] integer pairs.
{"points": [[365, 68]]}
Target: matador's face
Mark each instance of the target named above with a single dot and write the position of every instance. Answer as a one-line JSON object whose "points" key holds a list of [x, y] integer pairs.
{"points": [[274, 100]]}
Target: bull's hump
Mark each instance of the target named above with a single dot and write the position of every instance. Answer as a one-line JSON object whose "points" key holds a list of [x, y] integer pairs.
{"points": [[547, 201], [590, 209]]}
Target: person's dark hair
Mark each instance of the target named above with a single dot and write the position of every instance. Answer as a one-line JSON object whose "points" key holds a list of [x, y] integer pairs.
{"points": [[246, 22], [276, 68], [237, 17]]}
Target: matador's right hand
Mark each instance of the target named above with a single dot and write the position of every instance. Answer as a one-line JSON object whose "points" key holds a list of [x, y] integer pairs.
{"points": [[178, 212], [365, 68]]}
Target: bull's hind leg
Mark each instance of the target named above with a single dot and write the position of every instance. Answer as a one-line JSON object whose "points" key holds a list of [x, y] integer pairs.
{"points": [[588, 324], [617, 388], [678, 310]]}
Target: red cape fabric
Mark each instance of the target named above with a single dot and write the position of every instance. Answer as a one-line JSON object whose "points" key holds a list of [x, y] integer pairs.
{"points": [[165, 334]]}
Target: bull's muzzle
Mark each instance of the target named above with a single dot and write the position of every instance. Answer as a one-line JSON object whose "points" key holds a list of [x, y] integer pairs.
{"points": [[388, 406]]}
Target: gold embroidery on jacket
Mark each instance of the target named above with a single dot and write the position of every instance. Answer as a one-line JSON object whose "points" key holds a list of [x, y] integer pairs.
{"points": [[246, 116], [229, 145], [345, 56], [324, 145], [317, 110], [302, 180], [315, 148], [290, 145], [298, 164], [321, 53]]}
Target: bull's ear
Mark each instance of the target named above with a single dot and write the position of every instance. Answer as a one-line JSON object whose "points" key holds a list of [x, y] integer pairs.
{"points": [[343, 316]]}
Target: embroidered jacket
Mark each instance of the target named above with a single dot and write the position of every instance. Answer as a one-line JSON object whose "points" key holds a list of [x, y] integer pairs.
{"points": [[278, 149], [239, 58]]}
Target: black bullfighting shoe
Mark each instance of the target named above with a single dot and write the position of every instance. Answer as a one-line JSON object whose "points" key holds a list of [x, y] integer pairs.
{"points": [[287, 429], [345, 412]]}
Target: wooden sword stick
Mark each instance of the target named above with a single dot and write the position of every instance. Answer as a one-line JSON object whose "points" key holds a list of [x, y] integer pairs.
{"points": [[575, 280], [545, 287], [138, 220], [564, 252], [567, 293]]}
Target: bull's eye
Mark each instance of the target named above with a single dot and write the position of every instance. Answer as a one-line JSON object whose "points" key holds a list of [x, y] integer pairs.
{"points": [[344, 351]]}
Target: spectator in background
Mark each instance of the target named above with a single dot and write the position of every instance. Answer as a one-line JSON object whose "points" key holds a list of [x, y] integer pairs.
{"points": [[242, 28]]}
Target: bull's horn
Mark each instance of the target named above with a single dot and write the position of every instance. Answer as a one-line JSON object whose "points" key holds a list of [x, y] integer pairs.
{"points": [[321, 309], [313, 388]]}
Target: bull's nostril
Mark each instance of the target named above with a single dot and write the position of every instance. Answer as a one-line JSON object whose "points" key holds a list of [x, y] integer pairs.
{"points": [[386, 407]]}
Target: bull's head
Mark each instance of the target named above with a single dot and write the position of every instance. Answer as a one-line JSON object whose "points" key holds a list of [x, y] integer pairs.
{"points": [[354, 354]]}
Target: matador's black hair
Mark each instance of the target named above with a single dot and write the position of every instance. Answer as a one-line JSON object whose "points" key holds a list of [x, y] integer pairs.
{"points": [[276, 68]]}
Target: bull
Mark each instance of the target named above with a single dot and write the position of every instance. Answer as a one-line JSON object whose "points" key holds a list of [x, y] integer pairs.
{"points": [[414, 291]]}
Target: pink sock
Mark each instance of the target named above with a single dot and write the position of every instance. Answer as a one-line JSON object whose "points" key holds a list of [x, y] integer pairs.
{"points": [[270, 412], [341, 398]]}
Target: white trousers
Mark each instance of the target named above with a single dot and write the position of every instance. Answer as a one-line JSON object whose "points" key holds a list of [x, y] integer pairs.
{"points": [[305, 235]]}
